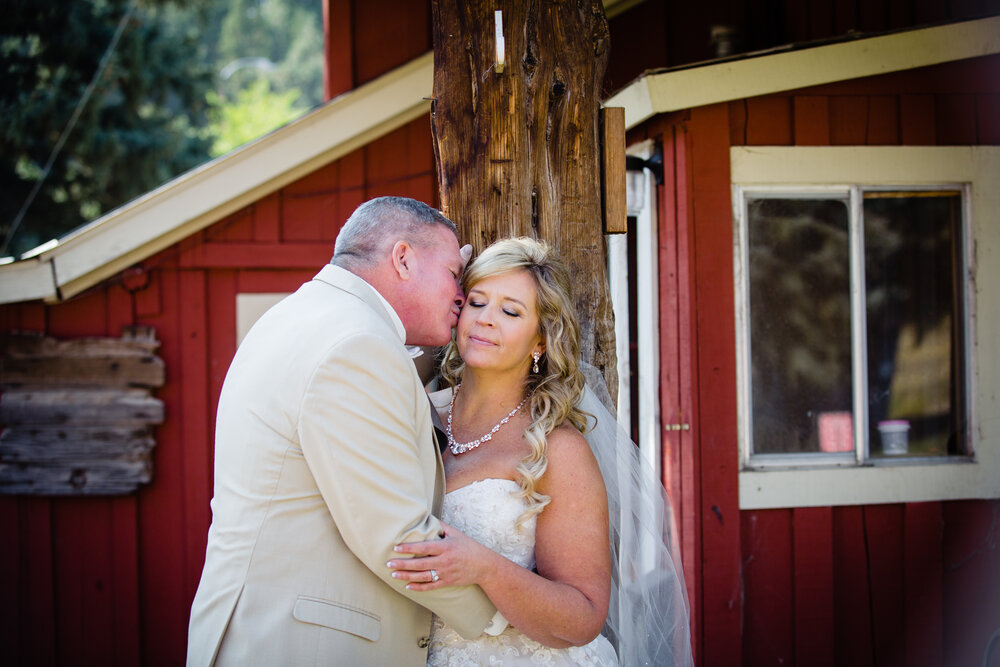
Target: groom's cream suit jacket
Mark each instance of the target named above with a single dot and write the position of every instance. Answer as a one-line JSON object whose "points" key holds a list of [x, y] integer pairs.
{"points": [[324, 459]]}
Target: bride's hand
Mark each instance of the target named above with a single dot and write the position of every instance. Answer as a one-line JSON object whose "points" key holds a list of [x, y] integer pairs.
{"points": [[454, 560]]}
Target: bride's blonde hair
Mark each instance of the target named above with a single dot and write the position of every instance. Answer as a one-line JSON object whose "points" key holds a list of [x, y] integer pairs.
{"points": [[556, 387]]}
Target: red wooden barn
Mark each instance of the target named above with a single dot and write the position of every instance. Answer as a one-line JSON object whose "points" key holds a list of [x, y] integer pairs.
{"points": [[793, 212]]}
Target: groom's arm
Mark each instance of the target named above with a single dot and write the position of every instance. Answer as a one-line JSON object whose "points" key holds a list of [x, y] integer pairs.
{"points": [[359, 434]]}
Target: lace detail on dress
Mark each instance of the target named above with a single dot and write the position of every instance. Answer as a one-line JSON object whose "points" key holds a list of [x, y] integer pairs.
{"points": [[487, 511]]}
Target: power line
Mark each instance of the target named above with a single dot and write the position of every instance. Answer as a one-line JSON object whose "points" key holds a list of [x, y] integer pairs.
{"points": [[102, 65]]}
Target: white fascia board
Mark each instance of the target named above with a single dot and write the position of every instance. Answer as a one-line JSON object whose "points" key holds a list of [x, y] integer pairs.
{"points": [[201, 197], [26, 281], [636, 100], [790, 70]]}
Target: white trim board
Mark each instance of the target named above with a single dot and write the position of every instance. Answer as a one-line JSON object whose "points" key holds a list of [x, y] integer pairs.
{"points": [[914, 481], [662, 92]]}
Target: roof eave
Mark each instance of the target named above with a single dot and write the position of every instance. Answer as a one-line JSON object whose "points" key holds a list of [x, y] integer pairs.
{"points": [[662, 92]]}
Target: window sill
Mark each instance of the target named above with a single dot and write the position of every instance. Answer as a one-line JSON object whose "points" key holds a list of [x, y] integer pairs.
{"points": [[896, 481]]}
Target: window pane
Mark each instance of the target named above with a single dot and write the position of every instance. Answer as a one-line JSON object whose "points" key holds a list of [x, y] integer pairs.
{"points": [[800, 325], [916, 378]]}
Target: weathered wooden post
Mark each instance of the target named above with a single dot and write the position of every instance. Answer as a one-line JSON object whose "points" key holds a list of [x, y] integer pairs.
{"points": [[517, 142]]}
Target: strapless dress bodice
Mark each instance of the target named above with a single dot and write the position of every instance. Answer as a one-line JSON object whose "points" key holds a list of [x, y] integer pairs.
{"points": [[488, 511]]}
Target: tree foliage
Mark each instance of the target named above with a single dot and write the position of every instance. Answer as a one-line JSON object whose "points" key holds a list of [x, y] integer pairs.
{"points": [[188, 79], [255, 112], [144, 123], [280, 40]]}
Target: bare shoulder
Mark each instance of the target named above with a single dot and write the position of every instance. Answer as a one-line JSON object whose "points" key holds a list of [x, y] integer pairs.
{"points": [[570, 459]]}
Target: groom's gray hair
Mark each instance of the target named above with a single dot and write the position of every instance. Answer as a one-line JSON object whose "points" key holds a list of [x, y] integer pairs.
{"points": [[378, 224]]}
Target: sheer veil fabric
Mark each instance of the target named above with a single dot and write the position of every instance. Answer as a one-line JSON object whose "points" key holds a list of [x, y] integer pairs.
{"points": [[648, 616]]}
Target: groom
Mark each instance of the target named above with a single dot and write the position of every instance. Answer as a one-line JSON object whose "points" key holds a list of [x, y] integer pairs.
{"points": [[325, 459]]}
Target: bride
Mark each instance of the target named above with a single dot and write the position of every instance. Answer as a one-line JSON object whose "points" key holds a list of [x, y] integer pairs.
{"points": [[567, 535]]}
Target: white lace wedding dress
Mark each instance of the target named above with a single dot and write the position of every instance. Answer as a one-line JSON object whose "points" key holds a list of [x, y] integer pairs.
{"points": [[487, 511]]}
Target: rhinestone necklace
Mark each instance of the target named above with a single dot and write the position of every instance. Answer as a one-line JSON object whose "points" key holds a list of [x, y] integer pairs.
{"points": [[460, 447]]}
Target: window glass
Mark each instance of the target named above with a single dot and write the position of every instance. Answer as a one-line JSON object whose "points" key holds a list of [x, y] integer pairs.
{"points": [[907, 356], [914, 296], [800, 325]]}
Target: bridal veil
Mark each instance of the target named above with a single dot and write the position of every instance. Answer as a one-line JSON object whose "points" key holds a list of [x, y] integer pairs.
{"points": [[648, 615]]}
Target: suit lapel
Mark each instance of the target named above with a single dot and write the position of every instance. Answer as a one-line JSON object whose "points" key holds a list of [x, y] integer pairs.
{"points": [[439, 435]]}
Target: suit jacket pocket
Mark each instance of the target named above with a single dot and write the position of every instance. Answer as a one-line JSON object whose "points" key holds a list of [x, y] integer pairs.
{"points": [[337, 616]]}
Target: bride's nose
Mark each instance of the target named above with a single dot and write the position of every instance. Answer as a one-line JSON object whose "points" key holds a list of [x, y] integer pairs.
{"points": [[484, 316]]}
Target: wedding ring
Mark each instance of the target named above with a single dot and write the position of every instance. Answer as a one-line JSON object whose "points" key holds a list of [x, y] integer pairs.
{"points": [[434, 576]]}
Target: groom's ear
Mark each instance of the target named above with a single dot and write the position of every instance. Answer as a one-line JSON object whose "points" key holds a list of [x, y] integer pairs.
{"points": [[403, 259]]}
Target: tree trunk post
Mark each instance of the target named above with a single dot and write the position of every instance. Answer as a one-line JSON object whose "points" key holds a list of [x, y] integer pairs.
{"points": [[518, 152]]}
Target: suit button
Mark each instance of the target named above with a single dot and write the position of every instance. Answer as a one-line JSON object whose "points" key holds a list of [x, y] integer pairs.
{"points": [[423, 642]]}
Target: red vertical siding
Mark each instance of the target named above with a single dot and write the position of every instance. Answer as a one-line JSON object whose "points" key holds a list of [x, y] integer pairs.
{"points": [[110, 580], [768, 579], [812, 586], [677, 372], [904, 584], [922, 584], [338, 48], [714, 426]]}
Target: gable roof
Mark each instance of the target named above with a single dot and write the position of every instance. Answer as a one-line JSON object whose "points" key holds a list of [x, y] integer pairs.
{"points": [[197, 199]]}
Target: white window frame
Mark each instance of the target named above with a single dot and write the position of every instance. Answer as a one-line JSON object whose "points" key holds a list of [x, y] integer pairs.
{"points": [[803, 480]]}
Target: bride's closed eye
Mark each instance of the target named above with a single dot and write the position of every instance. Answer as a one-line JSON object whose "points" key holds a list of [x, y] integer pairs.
{"points": [[506, 311]]}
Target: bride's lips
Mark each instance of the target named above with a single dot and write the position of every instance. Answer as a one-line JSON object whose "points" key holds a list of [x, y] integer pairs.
{"points": [[480, 341]]}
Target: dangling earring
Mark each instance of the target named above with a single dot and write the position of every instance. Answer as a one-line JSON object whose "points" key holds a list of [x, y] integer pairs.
{"points": [[535, 355]]}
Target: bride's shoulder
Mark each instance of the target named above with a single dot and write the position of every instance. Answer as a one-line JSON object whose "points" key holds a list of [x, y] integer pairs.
{"points": [[565, 443], [572, 467]]}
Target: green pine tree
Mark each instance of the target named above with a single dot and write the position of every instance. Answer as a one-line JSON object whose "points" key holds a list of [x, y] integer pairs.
{"points": [[143, 124]]}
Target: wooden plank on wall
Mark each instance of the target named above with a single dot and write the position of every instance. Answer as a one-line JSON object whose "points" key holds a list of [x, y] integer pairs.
{"points": [[195, 427], [715, 421], [78, 412], [769, 121], [811, 117], [848, 120], [768, 575], [89, 476], [677, 223], [923, 584], [612, 121], [10, 580], [44, 361], [988, 119], [238, 255], [955, 119], [853, 643], [883, 120], [38, 596], [338, 48], [812, 539], [123, 534], [83, 580], [116, 411], [916, 119], [162, 513], [883, 525]]}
